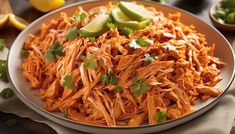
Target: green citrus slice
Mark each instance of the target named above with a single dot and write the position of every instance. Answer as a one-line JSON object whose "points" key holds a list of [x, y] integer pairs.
{"points": [[96, 27], [134, 11], [122, 21]]}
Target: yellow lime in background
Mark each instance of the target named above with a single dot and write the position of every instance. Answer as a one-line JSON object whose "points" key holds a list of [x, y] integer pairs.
{"points": [[17, 22], [46, 5]]}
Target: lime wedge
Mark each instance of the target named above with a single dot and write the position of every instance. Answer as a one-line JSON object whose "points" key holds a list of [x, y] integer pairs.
{"points": [[3, 20], [122, 21], [17, 22], [96, 27], [134, 11]]}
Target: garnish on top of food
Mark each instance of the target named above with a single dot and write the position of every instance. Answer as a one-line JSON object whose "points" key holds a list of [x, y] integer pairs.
{"points": [[225, 12], [121, 65]]}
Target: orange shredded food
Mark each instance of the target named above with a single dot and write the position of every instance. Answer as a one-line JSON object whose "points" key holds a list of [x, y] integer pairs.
{"points": [[182, 73]]}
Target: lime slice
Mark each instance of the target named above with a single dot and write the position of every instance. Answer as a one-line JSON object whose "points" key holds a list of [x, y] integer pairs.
{"points": [[122, 21], [46, 5], [96, 27], [134, 11], [17, 22], [3, 20]]}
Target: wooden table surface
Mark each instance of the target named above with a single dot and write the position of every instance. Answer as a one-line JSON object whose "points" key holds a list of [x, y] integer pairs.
{"points": [[23, 9]]}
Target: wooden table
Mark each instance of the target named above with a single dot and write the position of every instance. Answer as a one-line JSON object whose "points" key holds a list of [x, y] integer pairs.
{"points": [[23, 9]]}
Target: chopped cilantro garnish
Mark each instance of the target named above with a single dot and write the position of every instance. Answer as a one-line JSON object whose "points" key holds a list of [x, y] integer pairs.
{"points": [[142, 42], [89, 62], [2, 44], [160, 116], [6, 93], [73, 33], [150, 58], [11, 122], [111, 26], [117, 89], [80, 16], [3, 71], [54, 51], [68, 82], [92, 39], [127, 31], [109, 79], [139, 87]]}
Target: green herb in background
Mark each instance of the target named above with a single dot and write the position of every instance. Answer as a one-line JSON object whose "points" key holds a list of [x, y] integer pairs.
{"points": [[6, 93], [89, 62], [68, 82], [54, 51], [127, 31], [225, 12], [11, 122], [2, 44], [73, 33], [139, 87], [160, 116], [3, 71]]}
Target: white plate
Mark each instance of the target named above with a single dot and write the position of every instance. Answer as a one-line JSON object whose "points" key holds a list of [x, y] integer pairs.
{"points": [[223, 51]]}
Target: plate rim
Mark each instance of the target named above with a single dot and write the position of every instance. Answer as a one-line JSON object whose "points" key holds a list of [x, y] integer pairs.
{"points": [[24, 99]]}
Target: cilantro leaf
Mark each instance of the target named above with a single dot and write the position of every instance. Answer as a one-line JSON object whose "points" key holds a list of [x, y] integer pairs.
{"points": [[2, 44], [54, 51], [11, 122], [139, 87], [80, 16], [6, 93], [109, 79], [68, 82], [73, 33], [92, 39], [127, 31], [117, 89], [111, 26], [160, 116], [3, 71], [89, 62], [150, 58], [142, 42]]}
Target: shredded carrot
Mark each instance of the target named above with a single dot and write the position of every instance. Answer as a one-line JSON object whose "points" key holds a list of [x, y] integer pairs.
{"points": [[125, 86]]}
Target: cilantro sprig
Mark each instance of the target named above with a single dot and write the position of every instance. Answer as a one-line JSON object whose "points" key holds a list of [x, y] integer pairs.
{"points": [[54, 51], [2, 44], [160, 116], [89, 62], [109, 79], [73, 33], [117, 89], [127, 31], [139, 87], [80, 16], [110, 25], [150, 58], [68, 82]]}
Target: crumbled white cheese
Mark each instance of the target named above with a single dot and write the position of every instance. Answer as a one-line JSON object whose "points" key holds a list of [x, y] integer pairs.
{"points": [[149, 41], [134, 45], [146, 57], [156, 83], [169, 47], [169, 35]]}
